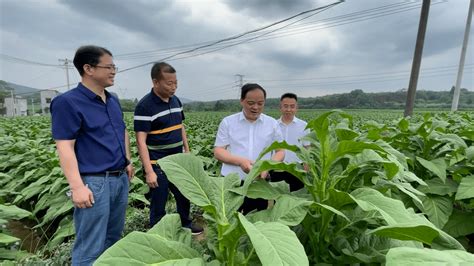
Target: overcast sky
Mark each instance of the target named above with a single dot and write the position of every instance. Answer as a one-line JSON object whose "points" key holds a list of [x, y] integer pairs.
{"points": [[358, 44]]}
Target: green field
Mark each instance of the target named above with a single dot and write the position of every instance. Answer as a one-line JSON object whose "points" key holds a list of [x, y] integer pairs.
{"points": [[379, 186]]}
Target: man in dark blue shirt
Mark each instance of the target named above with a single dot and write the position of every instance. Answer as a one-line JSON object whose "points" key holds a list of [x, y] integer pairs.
{"points": [[158, 123], [93, 148]]}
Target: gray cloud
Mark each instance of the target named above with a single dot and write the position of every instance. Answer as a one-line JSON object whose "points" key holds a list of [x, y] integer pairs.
{"points": [[47, 30], [271, 8]]}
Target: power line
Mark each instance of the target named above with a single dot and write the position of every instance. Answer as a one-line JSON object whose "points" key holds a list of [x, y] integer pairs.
{"points": [[336, 80], [233, 37], [294, 28], [27, 62], [427, 69]]}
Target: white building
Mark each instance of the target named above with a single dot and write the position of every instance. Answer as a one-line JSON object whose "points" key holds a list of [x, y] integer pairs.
{"points": [[46, 96], [19, 107]]}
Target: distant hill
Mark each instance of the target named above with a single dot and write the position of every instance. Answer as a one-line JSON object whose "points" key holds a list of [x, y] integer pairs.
{"points": [[18, 89], [185, 100]]}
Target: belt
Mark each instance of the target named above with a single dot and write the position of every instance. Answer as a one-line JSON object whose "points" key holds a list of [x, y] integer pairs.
{"points": [[106, 173]]}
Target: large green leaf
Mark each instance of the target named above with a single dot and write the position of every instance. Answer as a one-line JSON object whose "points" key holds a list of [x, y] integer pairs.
{"points": [[170, 228], [408, 231], [187, 173], [436, 166], [213, 194], [407, 189], [338, 199], [396, 215], [425, 256], [470, 153], [11, 212], [460, 223], [266, 165], [346, 134], [230, 201], [266, 190], [351, 147], [278, 146], [438, 209], [438, 187], [288, 210], [320, 125], [453, 139], [466, 188], [139, 248], [274, 243]]}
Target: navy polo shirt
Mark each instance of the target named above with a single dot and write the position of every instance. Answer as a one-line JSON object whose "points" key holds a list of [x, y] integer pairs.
{"points": [[163, 121], [97, 127]]}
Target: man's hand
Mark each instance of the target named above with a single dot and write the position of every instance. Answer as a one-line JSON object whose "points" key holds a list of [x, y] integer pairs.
{"points": [[82, 197], [263, 175], [152, 179], [246, 165], [130, 171]]}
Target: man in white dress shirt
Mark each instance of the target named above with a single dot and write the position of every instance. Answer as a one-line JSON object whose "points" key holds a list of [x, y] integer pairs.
{"points": [[293, 130], [241, 137]]}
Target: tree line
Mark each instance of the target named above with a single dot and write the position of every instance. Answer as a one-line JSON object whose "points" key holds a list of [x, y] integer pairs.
{"points": [[356, 99]]}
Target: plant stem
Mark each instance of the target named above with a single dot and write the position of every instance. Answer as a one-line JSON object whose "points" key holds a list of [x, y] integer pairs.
{"points": [[249, 256]]}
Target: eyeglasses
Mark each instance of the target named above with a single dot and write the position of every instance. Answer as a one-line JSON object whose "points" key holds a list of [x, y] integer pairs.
{"points": [[110, 68]]}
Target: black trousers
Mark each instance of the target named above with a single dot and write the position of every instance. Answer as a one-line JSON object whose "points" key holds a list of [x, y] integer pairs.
{"points": [[159, 195], [252, 204], [295, 183]]}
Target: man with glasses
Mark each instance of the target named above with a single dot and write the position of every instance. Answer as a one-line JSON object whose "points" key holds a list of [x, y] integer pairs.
{"points": [[93, 148], [158, 123]]}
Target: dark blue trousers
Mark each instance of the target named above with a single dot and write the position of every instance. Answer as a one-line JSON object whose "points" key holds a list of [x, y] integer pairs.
{"points": [[159, 195]]}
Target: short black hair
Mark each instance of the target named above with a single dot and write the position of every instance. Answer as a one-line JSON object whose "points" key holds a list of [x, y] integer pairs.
{"points": [[88, 55], [289, 95], [250, 87], [159, 68]]}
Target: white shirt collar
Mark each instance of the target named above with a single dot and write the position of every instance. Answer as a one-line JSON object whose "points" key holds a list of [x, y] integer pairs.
{"points": [[292, 121], [242, 117]]}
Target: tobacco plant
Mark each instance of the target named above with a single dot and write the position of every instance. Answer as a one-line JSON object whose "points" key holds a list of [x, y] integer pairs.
{"points": [[231, 238], [349, 206]]}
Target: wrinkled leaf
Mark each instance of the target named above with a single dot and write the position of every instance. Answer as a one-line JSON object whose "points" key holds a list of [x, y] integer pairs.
{"points": [[138, 248], [275, 243], [425, 256], [466, 188], [438, 209], [437, 167], [288, 210]]}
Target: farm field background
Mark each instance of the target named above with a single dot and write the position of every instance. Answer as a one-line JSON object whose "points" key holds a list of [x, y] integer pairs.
{"points": [[36, 215]]}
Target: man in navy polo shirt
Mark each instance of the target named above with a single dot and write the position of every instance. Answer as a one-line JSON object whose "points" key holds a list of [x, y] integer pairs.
{"points": [[93, 148], [158, 123]]}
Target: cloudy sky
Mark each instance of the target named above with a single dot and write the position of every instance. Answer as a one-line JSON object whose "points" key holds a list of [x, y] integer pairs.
{"points": [[217, 44]]}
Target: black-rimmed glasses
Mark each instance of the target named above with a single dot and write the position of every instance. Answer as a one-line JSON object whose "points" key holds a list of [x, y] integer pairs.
{"points": [[110, 68]]}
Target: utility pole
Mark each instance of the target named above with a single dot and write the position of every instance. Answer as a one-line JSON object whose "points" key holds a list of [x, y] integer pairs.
{"points": [[241, 82], [415, 68], [454, 106], [32, 106], [66, 66], [13, 103]]}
